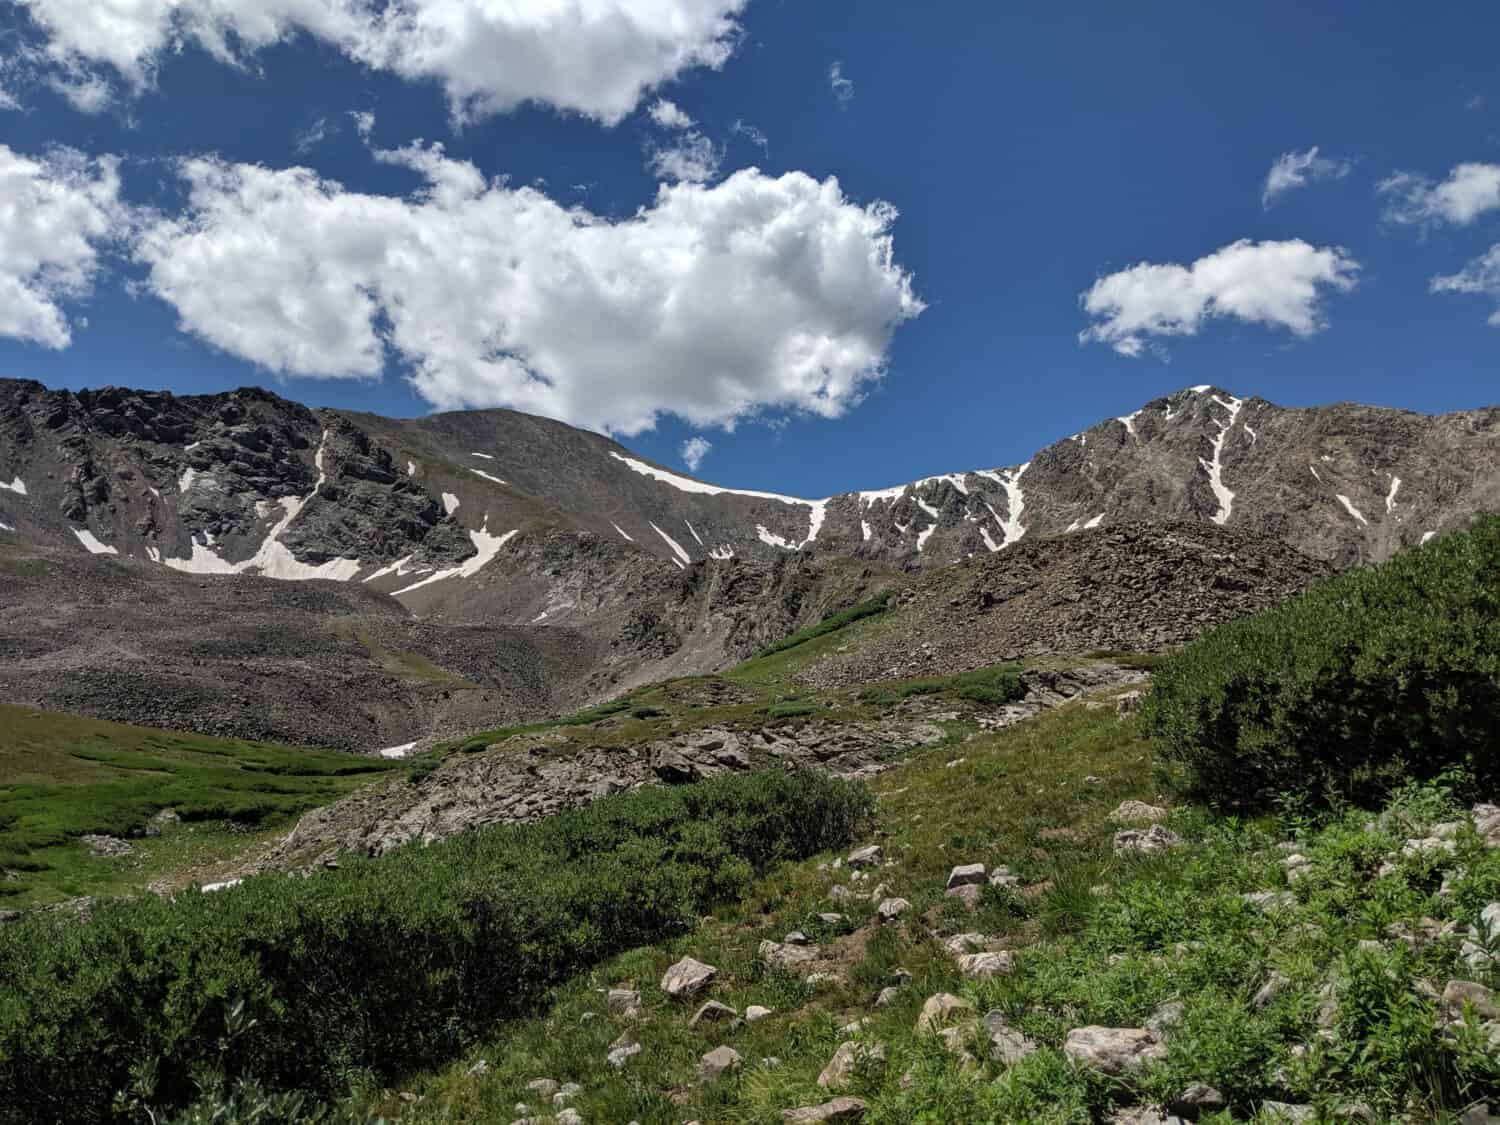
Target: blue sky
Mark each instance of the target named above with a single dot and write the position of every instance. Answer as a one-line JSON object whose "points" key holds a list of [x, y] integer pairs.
{"points": [[1031, 157]]}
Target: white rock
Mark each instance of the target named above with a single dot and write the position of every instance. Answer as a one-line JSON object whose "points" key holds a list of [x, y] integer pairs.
{"points": [[867, 856], [1137, 812], [755, 1013], [968, 874], [892, 908], [1151, 841], [983, 966]]}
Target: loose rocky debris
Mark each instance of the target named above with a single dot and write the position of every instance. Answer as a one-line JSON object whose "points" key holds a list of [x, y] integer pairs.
{"points": [[840, 1109], [106, 847], [1152, 841]]}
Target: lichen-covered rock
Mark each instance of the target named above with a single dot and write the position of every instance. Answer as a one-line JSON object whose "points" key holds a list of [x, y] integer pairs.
{"points": [[687, 977]]}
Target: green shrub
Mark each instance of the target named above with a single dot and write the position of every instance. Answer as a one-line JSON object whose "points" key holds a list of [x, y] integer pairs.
{"points": [[991, 686], [382, 966], [1366, 681], [830, 624], [790, 709]]}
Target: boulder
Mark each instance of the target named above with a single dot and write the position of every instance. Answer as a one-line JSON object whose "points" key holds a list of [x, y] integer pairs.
{"points": [[717, 1062], [870, 856], [1285, 1111], [1007, 1045], [621, 1053], [983, 966], [939, 1010], [847, 1060], [1151, 841], [840, 1109], [892, 908], [755, 1013], [1114, 1050], [714, 1012], [1137, 812], [969, 894], [687, 977], [1196, 1100], [782, 956], [626, 1001], [1460, 994], [968, 874]]}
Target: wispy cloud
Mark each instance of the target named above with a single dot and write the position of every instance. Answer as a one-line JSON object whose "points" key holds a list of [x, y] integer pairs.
{"points": [[1292, 170], [692, 158], [314, 135], [693, 452], [1470, 190], [751, 134], [842, 87], [670, 115]]}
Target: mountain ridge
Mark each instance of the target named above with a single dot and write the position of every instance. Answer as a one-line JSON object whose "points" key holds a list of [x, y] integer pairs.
{"points": [[249, 482]]}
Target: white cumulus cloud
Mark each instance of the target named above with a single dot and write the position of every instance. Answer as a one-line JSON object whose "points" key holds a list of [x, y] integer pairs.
{"points": [[669, 115], [56, 214], [713, 303], [1481, 276], [1293, 170], [595, 57], [693, 452], [1278, 284], [692, 158], [1470, 190]]}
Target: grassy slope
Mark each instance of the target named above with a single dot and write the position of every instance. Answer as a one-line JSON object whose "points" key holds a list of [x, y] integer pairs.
{"points": [[1100, 940], [62, 776]]}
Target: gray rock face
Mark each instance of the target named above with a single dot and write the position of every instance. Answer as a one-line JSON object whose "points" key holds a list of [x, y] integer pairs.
{"points": [[1345, 483]]}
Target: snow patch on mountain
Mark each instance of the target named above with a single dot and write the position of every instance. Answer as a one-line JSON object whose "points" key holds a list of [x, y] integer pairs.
{"points": [[1427, 535], [18, 486], [1351, 509], [487, 546], [487, 476], [1390, 497], [676, 546], [1095, 522], [399, 568], [486, 456], [694, 531], [185, 481], [989, 540], [450, 503], [722, 553], [1015, 500], [625, 534], [398, 751], [771, 539], [1128, 421], [1215, 467], [865, 530], [91, 543], [411, 468]]}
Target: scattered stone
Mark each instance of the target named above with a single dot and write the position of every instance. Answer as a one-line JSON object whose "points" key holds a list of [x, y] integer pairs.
{"points": [[983, 966], [570, 1117], [1459, 994], [626, 1001], [1152, 841], [1296, 866], [959, 944], [968, 894], [866, 857], [566, 1093], [892, 908], [796, 937], [1144, 1115], [688, 977], [621, 1053], [1003, 876], [1114, 1050], [1166, 1017], [850, 1030], [1137, 812], [839, 893], [833, 919], [846, 1062], [1284, 1111], [106, 847], [1270, 900], [887, 997], [1429, 845], [1275, 985], [543, 1087], [840, 1109], [818, 980], [966, 875], [717, 1062], [755, 1013], [1128, 703], [1196, 1100], [782, 956], [480, 1067], [938, 1010], [714, 1012], [1007, 1045]]}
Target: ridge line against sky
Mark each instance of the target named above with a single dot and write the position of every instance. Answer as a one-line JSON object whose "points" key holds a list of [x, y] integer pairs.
{"points": [[623, 225]]}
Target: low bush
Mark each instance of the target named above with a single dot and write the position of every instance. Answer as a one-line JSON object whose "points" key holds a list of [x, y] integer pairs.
{"points": [[992, 686], [830, 624], [380, 966], [1364, 682]]}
